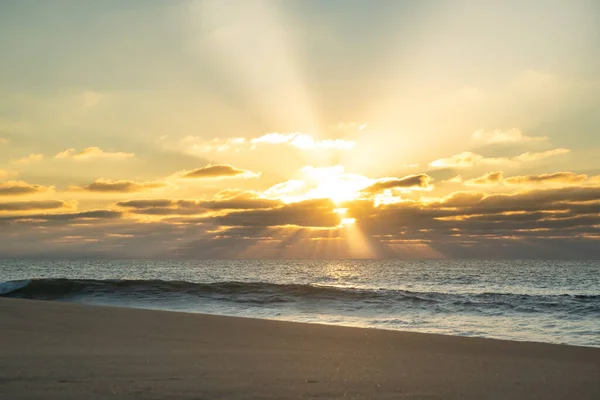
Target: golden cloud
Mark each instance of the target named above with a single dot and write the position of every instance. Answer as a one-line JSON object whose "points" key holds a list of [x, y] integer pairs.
{"points": [[214, 171], [497, 178], [468, 159], [32, 158], [19, 188], [413, 182], [557, 177], [464, 160], [33, 205], [540, 156], [492, 178], [121, 186], [90, 153]]}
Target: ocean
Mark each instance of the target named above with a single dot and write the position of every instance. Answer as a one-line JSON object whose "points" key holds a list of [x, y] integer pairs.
{"points": [[542, 301]]}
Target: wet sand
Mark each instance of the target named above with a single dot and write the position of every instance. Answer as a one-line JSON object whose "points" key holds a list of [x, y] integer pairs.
{"points": [[52, 350]]}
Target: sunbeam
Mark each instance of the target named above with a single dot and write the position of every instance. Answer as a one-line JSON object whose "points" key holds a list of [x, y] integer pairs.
{"points": [[254, 50]]}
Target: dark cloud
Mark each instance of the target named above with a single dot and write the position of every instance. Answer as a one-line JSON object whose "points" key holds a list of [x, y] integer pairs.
{"points": [[480, 216], [241, 204], [169, 211], [32, 205], [145, 203], [310, 213], [19, 188], [196, 207], [534, 200], [421, 181], [85, 215], [122, 186], [218, 171]]}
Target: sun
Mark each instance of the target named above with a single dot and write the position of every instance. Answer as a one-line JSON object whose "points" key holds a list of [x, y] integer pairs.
{"points": [[347, 221], [334, 183]]}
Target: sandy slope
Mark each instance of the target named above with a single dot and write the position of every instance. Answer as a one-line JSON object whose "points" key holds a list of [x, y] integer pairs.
{"points": [[51, 350]]}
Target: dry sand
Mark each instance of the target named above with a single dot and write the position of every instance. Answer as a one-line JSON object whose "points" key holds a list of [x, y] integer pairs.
{"points": [[51, 350]]}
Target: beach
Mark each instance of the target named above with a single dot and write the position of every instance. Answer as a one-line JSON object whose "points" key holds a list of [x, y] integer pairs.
{"points": [[56, 350]]}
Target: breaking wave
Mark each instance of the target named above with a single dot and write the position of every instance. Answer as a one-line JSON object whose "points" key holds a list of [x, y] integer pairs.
{"points": [[261, 293]]}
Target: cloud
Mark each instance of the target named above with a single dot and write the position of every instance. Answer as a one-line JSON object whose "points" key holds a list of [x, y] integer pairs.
{"points": [[492, 178], [556, 222], [285, 188], [456, 179], [19, 188], [91, 153], [241, 203], [474, 218], [557, 177], [3, 141], [308, 213], [298, 140], [33, 205], [225, 200], [413, 182], [468, 159], [540, 156], [196, 207], [214, 171], [304, 141], [497, 178], [32, 158], [66, 217], [146, 203], [499, 136], [122, 186], [464, 160], [539, 199]]}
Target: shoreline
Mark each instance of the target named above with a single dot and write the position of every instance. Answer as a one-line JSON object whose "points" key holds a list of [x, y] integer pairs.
{"points": [[67, 350], [187, 312], [325, 324]]}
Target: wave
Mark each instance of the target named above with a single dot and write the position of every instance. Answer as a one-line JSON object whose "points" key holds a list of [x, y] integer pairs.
{"points": [[11, 286], [57, 288], [271, 293]]}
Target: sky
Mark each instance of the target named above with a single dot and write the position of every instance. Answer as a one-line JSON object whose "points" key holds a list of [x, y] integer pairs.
{"points": [[300, 129]]}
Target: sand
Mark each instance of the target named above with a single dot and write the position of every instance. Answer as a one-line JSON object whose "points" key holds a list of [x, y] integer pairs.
{"points": [[52, 350]]}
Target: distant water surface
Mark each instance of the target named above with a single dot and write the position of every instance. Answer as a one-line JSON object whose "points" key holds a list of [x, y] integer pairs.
{"points": [[545, 301]]}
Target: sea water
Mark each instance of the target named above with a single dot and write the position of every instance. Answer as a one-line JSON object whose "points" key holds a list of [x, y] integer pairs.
{"points": [[544, 301]]}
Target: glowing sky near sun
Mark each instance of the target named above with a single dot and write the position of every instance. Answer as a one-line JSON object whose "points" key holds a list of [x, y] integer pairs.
{"points": [[322, 129]]}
